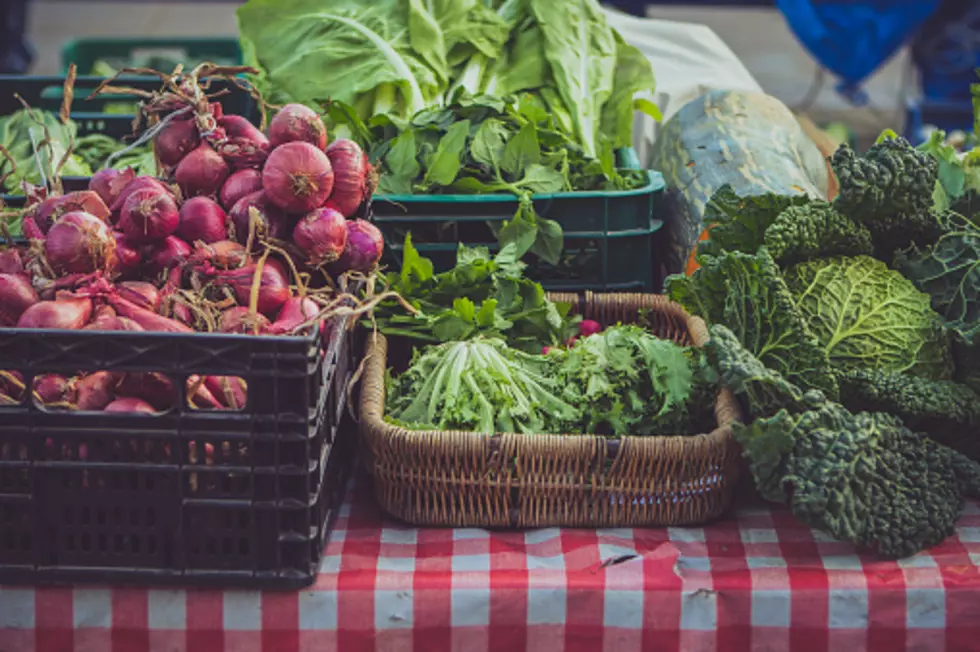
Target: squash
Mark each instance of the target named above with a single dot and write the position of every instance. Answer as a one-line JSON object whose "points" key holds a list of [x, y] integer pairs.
{"points": [[750, 141]]}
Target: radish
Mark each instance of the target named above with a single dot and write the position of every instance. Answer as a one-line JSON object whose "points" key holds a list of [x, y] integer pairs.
{"points": [[295, 122], [202, 219], [80, 243], [202, 172], [365, 244], [175, 141], [297, 177], [588, 327], [272, 221], [239, 184], [349, 175], [108, 183], [321, 236], [16, 296], [149, 215]]}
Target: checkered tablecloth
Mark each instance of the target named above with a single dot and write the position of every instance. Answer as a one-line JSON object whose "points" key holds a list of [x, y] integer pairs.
{"points": [[754, 581]]}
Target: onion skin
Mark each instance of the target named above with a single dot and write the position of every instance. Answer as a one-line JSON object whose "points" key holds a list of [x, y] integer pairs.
{"points": [[149, 320], [129, 404], [178, 139], [240, 320], [238, 127], [349, 175], [16, 296], [202, 172], [108, 183], [11, 262], [201, 218], [273, 285], [139, 183], [321, 236], [143, 294], [95, 391], [69, 313], [231, 391], [52, 209], [365, 245], [80, 243], [241, 153], [225, 254], [297, 177], [296, 311], [297, 123], [155, 388], [273, 222], [149, 216], [239, 184]]}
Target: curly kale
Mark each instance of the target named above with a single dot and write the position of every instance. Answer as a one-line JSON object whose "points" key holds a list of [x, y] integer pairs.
{"points": [[863, 477], [739, 223], [815, 230], [946, 411]]}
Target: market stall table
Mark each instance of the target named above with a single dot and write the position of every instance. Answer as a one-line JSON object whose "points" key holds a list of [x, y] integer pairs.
{"points": [[755, 581]]}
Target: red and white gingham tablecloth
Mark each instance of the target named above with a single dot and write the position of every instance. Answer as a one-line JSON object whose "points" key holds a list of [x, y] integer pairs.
{"points": [[754, 581]]}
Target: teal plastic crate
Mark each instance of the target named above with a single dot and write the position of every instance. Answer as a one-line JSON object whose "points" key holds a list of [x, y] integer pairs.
{"points": [[611, 237], [85, 52]]}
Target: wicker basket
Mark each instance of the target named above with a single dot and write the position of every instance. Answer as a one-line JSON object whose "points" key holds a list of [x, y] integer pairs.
{"points": [[512, 480]]}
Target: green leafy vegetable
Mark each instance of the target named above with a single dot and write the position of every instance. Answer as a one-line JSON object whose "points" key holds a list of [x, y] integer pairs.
{"points": [[815, 230], [740, 223], [20, 135]]}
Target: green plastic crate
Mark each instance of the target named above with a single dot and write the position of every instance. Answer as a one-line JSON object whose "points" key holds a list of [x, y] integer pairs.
{"points": [[610, 236], [84, 52]]}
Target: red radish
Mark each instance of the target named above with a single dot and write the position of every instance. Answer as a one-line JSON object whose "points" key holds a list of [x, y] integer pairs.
{"points": [[65, 312], [79, 243], [297, 177], [240, 183], [148, 216], [202, 219], [31, 229], [139, 183], [154, 388], [129, 405], [273, 285], [95, 391], [273, 222], [349, 175], [236, 126], [54, 388], [240, 320], [588, 327], [108, 183], [147, 319], [224, 254], [365, 244], [570, 342], [242, 153], [231, 391], [170, 253], [321, 236], [296, 122], [175, 141], [16, 296], [545, 350], [295, 312], [128, 256], [11, 262], [202, 172], [141, 293]]}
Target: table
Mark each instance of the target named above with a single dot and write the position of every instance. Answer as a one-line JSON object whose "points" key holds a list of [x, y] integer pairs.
{"points": [[757, 580]]}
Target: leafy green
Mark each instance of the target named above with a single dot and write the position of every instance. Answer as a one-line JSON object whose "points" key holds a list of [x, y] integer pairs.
{"points": [[739, 223], [20, 135], [815, 230], [867, 316], [95, 149]]}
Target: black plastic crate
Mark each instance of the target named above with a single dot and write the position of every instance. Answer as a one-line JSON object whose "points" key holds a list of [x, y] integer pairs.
{"points": [[139, 505]]}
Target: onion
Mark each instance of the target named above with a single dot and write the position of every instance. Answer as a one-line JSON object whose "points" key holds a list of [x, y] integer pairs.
{"points": [[80, 243], [202, 219], [148, 216], [139, 183], [128, 257], [175, 141], [143, 294], [321, 236], [349, 165], [240, 183], [365, 244], [147, 319], [273, 285], [129, 405], [69, 313], [231, 391], [201, 398], [240, 320], [87, 201], [297, 177], [31, 229], [225, 254], [170, 253], [273, 222], [11, 262], [108, 183], [12, 384], [238, 127], [54, 388], [202, 172], [16, 295], [105, 319], [95, 391], [296, 122], [242, 153], [296, 311], [155, 388]]}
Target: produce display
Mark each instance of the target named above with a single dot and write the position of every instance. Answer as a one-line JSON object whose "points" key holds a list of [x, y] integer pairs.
{"points": [[850, 330]]}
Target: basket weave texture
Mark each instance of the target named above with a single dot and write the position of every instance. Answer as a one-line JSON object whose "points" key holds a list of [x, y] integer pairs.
{"points": [[453, 478]]}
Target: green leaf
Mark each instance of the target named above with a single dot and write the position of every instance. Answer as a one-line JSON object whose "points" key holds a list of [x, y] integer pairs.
{"points": [[486, 317], [488, 143], [532, 108], [633, 74], [450, 326], [415, 269], [344, 114], [739, 223], [649, 108], [542, 180], [446, 161], [392, 185], [550, 241], [400, 159], [521, 230], [471, 185], [521, 152]]}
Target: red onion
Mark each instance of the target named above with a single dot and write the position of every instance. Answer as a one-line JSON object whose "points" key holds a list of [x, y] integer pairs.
{"points": [[175, 141], [240, 320], [143, 294], [54, 388], [139, 183], [297, 177], [201, 399], [296, 122], [79, 243], [273, 285], [16, 295], [128, 256], [69, 313], [202, 219], [108, 183], [148, 216], [12, 384], [87, 201], [242, 153], [31, 229], [231, 391], [11, 262], [365, 244], [170, 253], [105, 319], [95, 391], [202, 172], [129, 405], [238, 127], [240, 183], [154, 388], [349, 175], [225, 254], [295, 312], [148, 320], [321, 236], [273, 222]]}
